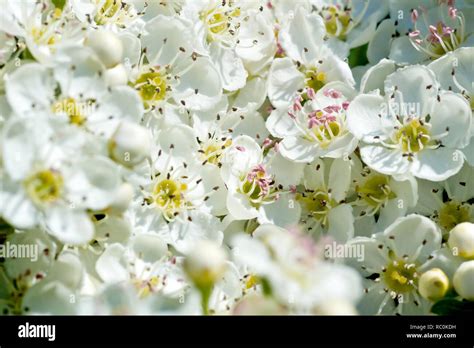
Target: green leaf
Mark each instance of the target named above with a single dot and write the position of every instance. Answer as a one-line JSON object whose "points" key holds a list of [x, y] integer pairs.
{"points": [[453, 307], [358, 56], [59, 3]]}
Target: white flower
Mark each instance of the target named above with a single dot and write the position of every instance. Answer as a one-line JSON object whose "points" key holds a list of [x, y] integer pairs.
{"points": [[379, 199], [392, 264], [314, 125], [449, 203], [73, 92], [350, 23], [454, 72], [41, 26], [42, 186], [294, 273], [427, 30], [309, 62], [322, 196], [174, 73], [253, 190], [410, 131]]}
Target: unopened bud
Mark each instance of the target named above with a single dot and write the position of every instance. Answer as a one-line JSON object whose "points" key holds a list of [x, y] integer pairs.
{"points": [[205, 264], [130, 144], [107, 46], [433, 284], [464, 280], [461, 238]]}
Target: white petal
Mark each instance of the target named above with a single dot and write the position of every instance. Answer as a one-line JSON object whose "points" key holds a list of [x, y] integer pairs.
{"points": [[437, 165], [298, 149], [230, 67], [451, 104], [341, 223], [283, 82], [417, 86], [112, 264], [362, 117], [414, 236], [285, 212], [304, 32], [385, 161], [69, 226]]}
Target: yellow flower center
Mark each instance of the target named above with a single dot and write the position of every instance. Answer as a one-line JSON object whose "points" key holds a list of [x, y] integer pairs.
{"points": [[44, 186], [168, 195], [401, 277], [212, 150], [337, 22], [220, 21], [72, 109], [413, 136], [109, 9], [315, 79], [151, 87]]}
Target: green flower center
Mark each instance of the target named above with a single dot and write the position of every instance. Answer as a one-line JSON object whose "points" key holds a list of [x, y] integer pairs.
{"points": [[108, 10], [325, 132], [376, 190], [315, 79], [453, 213], [317, 203], [337, 22], [401, 277], [44, 186], [151, 87], [413, 136]]}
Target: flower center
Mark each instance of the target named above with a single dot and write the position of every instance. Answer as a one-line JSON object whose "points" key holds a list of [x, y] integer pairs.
{"points": [[222, 21], [440, 38], [400, 276], [258, 185], [169, 196], [72, 109], [413, 136], [453, 213], [212, 150], [315, 79], [338, 21], [151, 87], [317, 203], [325, 132], [375, 191], [113, 11], [44, 186]]}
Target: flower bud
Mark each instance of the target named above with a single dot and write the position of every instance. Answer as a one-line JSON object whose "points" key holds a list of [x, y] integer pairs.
{"points": [[107, 46], [205, 264], [464, 280], [461, 240], [130, 144], [433, 284], [116, 76]]}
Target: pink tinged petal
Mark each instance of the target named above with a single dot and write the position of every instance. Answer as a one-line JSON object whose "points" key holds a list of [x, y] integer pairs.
{"points": [[414, 16]]}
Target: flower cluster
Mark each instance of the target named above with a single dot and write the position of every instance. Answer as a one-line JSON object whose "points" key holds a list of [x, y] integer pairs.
{"points": [[236, 156]]}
